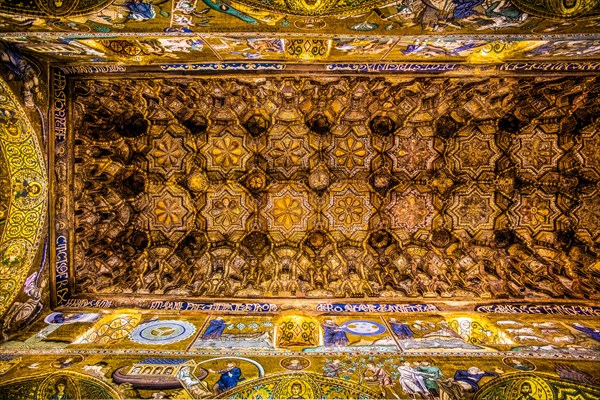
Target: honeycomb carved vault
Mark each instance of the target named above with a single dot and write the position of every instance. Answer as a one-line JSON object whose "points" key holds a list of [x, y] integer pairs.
{"points": [[275, 186]]}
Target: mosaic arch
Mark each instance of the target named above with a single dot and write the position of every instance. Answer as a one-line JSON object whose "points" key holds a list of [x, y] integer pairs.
{"points": [[55, 8], [518, 386], [72, 385], [226, 187], [301, 386], [23, 195]]}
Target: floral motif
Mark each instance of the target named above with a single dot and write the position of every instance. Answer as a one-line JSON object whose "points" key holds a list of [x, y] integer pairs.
{"points": [[227, 151], [476, 154], [413, 154], [588, 214], [287, 152], [410, 211], [287, 211], [168, 211], [536, 212], [348, 210], [226, 211], [350, 153], [539, 152], [591, 152], [167, 155], [473, 211]]}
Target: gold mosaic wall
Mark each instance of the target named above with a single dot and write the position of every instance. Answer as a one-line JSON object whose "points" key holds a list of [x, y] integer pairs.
{"points": [[395, 354], [23, 196]]}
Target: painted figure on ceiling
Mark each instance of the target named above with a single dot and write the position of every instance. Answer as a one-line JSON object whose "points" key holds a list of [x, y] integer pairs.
{"points": [[17, 67], [469, 379], [333, 369], [220, 6], [186, 377], [21, 313], [140, 10], [333, 335], [464, 8], [215, 329], [296, 391], [383, 379], [61, 318], [231, 375], [413, 382], [525, 392], [401, 329], [593, 333], [59, 391], [434, 375]]}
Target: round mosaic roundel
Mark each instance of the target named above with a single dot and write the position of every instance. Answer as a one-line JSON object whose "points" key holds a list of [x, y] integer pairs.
{"points": [[162, 332], [363, 328]]}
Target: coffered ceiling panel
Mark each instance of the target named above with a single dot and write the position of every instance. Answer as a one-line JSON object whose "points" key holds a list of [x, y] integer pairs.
{"points": [[331, 186]]}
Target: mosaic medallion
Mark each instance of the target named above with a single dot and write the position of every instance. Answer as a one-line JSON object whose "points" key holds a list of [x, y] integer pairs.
{"points": [[162, 332], [363, 327]]}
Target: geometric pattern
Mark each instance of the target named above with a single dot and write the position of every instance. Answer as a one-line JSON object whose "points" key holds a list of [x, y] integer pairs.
{"points": [[538, 152], [375, 195], [110, 329], [473, 210], [169, 210], [588, 215], [288, 210], [352, 154], [227, 152], [349, 210], [287, 153], [410, 210], [590, 151], [536, 212], [227, 209], [413, 154], [167, 155], [476, 153]]}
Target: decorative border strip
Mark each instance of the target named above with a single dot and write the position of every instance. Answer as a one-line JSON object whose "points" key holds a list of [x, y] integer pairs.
{"points": [[559, 66], [588, 311], [61, 257], [160, 305], [188, 353], [89, 69], [60, 106], [196, 306], [224, 67], [393, 67], [375, 308], [307, 34]]}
